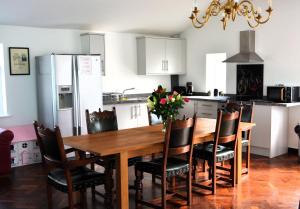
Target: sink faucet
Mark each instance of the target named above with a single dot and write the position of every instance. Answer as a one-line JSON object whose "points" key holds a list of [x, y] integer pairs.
{"points": [[123, 93]]}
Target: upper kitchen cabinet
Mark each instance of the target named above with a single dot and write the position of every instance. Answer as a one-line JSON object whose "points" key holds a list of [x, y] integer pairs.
{"points": [[161, 56], [94, 43]]}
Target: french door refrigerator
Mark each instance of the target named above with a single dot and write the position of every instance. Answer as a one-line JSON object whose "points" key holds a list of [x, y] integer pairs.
{"points": [[67, 85]]}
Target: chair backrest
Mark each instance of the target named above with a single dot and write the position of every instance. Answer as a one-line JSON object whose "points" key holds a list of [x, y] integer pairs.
{"points": [[248, 110], [101, 121], [50, 143], [179, 138], [153, 119], [227, 128]]}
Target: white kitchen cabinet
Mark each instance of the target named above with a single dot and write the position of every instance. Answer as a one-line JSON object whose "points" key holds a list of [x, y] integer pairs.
{"points": [[270, 135], [130, 115], [188, 110], [161, 56], [94, 43], [206, 109], [175, 57]]}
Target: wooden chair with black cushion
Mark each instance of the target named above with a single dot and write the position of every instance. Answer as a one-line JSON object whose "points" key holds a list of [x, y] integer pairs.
{"points": [[103, 121], [63, 174], [178, 143], [247, 116], [222, 149]]}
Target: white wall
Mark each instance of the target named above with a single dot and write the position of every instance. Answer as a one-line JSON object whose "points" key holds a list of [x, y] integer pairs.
{"points": [[277, 42], [21, 90]]}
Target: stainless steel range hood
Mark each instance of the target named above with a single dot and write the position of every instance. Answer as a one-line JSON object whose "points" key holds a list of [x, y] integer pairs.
{"points": [[247, 52]]}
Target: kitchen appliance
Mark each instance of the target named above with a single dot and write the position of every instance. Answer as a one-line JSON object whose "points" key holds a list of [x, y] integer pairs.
{"points": [[284, 94], [189, 88], [216, 92], [247, 52], [250, 80], [67, 85], [180, 89]]}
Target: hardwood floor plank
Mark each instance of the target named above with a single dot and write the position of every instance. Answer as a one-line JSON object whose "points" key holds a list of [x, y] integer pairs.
{"points": [[272, 183]]}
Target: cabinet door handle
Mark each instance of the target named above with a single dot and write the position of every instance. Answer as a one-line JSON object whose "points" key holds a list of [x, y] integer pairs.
{"points": [[204, 113], [131, 112], [162, 65], [135, 111], [140, 112], [167, 64], [206, 105]]}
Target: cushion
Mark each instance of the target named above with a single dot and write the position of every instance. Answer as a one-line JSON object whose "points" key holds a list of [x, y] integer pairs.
{"points": [[175, 167], [82, 178], [206, 152]]}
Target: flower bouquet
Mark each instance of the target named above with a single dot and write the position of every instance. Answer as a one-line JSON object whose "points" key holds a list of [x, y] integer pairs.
{"points": [[165, 105]]}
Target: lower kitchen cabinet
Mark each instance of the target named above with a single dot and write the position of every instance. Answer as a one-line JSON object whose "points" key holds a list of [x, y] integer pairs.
{"points": [[188, 110], [203, 109], [130, 115], [270, 135]]}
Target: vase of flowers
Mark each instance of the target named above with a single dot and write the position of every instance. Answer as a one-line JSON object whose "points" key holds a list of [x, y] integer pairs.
{"points": [[165, 105]]}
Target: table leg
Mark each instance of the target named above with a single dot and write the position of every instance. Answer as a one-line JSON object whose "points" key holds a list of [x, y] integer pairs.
{"points": [[239, 150], [122, 181]]}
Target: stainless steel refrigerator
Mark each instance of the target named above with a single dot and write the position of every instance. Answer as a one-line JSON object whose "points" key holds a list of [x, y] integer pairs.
{"points": [[67, 85]]}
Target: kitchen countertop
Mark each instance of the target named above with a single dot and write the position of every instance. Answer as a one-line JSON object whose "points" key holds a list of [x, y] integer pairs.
{"points": [[202, 98], [209, 98], [128, 101]]}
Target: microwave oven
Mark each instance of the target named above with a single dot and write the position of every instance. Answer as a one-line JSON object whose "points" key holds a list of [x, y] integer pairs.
{"points": [[283, 94]]}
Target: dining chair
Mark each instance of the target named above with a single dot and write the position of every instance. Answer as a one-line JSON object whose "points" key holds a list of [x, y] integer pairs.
{"points": [[222, 149], [103, 121], [63, 174], [153, 120], [247, 116], [178, 141]]}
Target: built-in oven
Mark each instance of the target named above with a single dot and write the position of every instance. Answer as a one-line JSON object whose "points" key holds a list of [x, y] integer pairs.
{"points": [[284, 94]]}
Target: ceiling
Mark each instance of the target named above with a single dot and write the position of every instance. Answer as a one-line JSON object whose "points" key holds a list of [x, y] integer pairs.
{"points": [[166, 17]]}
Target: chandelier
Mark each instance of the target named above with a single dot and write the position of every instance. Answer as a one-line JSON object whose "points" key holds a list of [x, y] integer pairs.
{"points": [[228, 10]]}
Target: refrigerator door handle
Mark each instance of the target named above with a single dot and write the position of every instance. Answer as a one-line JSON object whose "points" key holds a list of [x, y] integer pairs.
{"points": [[75, 99], [78, 95]]}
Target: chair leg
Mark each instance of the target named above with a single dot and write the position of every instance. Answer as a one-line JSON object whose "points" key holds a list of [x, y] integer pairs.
{"points": [[189, 187], [109, 184], [93, 187], [195, 162], [70, 199], [49, 196], [83, 198], [248, 159], [153, 176], [204, 166], [173, 183], [163, 192], [210, 172], [214, 176], [233, 172], [138, 187]]}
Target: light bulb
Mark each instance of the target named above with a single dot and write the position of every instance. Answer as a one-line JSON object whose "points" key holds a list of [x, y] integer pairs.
{"points": [[259, 10], [196, 3], [270, 3]]}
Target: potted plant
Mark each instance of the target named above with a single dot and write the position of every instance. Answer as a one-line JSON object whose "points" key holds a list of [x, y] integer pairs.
{"points": [[165, 105]]}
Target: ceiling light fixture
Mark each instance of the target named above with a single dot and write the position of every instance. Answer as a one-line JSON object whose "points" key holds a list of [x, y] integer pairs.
{"points": [[228, 10]]}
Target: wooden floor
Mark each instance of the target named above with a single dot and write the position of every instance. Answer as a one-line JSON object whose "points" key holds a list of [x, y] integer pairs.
{"points": [[272, 184]]}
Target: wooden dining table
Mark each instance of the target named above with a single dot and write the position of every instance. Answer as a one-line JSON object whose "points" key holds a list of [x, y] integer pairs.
{"points": [[142, 141]]}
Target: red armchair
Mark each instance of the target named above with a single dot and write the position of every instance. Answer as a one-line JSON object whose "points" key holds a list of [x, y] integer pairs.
{"points": [[6, 137]]}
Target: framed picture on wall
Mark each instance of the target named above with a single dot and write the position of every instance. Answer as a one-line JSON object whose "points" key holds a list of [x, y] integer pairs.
{"points": [[19, 61]]}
